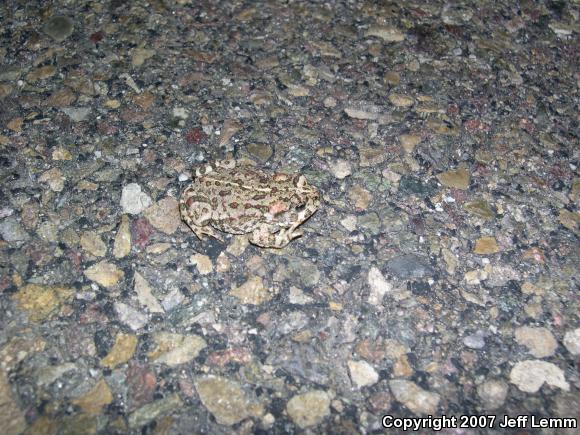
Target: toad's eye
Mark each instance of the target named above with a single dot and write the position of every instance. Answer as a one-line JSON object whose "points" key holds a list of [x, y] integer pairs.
{"points": [[300, 207]]}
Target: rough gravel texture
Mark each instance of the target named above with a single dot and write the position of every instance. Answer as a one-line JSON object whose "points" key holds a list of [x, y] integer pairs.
{"points": [[438, 277]]}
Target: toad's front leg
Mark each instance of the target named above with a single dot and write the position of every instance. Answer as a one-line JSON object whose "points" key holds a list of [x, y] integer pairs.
{"points": [[197, 214], [201, 230], [265, 238]]}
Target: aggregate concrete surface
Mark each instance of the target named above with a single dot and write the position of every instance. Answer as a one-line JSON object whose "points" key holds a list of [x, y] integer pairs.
{"points": [[439, 277]]}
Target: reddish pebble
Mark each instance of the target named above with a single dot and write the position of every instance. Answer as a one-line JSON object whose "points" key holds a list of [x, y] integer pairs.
{"points": [[452, 109], [236, 355], [141, 231], [142, 384], [474, 125], [194, 136], [106, 127], [97, 37]]}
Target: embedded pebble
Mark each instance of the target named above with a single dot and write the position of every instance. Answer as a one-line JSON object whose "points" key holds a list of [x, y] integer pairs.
{"points": [[329, 102], [158, 248], [122, 245], [475, 341], [386, 33], [152, 411], [48, 231], [5, 90], [260, 150], [360, 197], [349, 222], [54, 178], [572, 341], [49, 374], [113, 104], [164, 215], [371, 157], [362, 373], [409, 142], [341, 169], [416, 399], [486, 246], [252, 292], [145, 295], [93, 244], [450, 260], [570, 220], [5, 212], [539, 341], [123, 350], [479, 208], [140, 55], [561, 29], [297, 296], [455, 14], [41, 302], [392, 176], [59, 27], [223, 263], [309, 409], [226, 400], [326, 49], [131, 317], [530, 375], [133, 200], [77, 114], [174, 349], [502, 275], [42, 73], [15, 124], [12, 231], [104, 273], [493, 394], [475, 277], [301, 271], [61, 98], [61, 154], [10, 73], [17, 350], [379, 286], [94, 400], [459, 178], [410, 266], [364, 111], [400, 100], [181, 113], [229, 129], [238, 246], [172, 299], [202, 262], [298, 90], [370, 222]]}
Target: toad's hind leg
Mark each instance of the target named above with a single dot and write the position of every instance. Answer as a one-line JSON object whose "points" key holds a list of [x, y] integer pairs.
{"points": [[263, 237], [200, 224]]}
